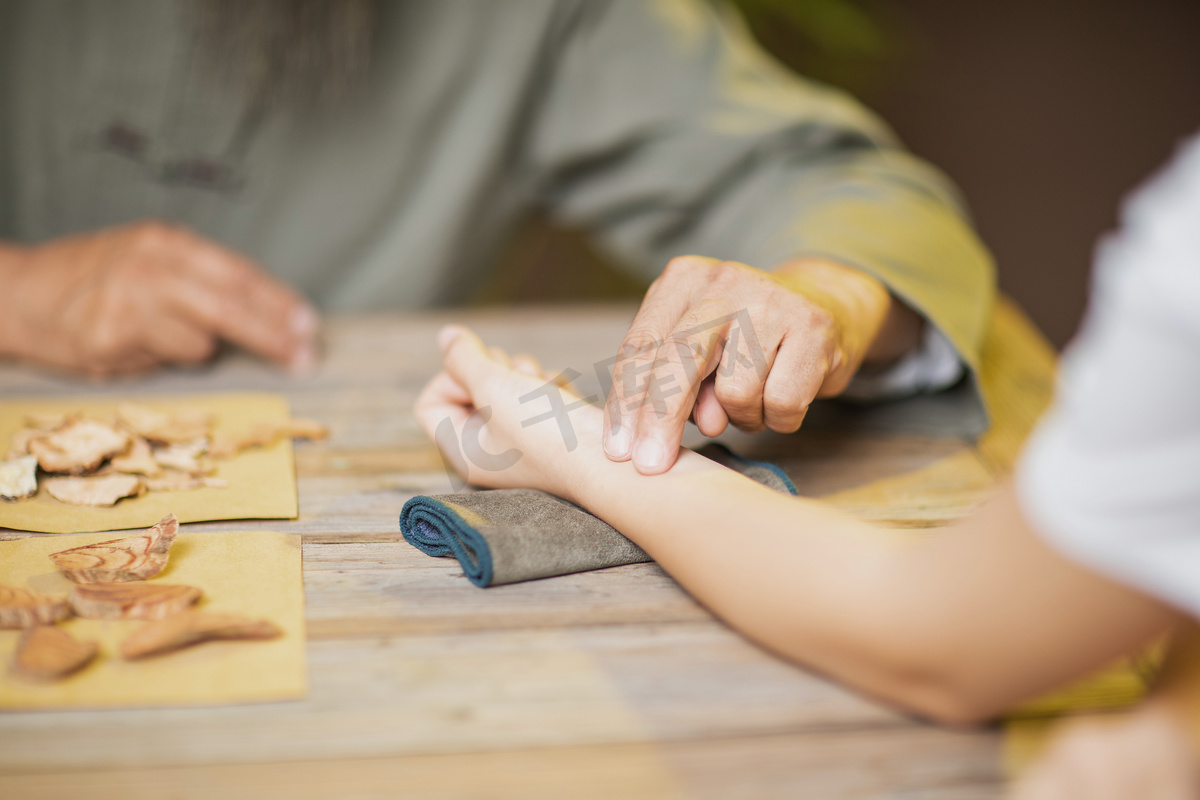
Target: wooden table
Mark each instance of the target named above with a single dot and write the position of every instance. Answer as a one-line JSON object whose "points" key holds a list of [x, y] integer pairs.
{"points": [[606, 684]]}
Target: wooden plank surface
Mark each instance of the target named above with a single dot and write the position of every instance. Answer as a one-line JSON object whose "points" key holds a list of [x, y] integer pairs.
{"points": [[605, 684]]}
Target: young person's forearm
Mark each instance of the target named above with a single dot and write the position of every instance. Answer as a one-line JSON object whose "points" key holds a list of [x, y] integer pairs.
{"points": [[958, 626], [794, 575]]}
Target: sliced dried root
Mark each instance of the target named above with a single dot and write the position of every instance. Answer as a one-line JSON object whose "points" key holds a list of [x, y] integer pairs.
{"points": [[137, 460], [79, 446], [148, 450], [47, 653], [48, 422], [18, 478], [21, 608], [173, 481], [101, 490], [264, 434], [192, 627], [19, 444], [180, 425], [185, 457], [134, 558], [152, 601]]}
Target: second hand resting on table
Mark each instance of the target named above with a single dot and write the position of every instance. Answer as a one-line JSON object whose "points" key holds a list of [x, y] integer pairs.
{"points": [[920, 626], [130, 298]]}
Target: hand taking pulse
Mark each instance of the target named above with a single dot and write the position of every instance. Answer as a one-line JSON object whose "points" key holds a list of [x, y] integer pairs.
{"points": [[127, 299], [720, 342]]}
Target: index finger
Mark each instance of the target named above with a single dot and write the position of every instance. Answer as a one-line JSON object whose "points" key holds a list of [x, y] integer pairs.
{"points": [[672, 383], [252, 309], [666, 301]]}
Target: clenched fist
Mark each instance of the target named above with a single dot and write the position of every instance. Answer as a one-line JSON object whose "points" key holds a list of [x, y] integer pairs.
{"points": [[722, 342], [127, 299]]}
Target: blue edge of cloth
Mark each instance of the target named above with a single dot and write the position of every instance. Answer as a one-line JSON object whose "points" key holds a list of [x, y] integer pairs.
{"points": [[435, 529]]}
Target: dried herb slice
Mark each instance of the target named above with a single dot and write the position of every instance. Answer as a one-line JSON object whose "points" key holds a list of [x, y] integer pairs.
{"points": [[193, 627], [263, 434], [134, 558], [137, 460], [47, 653], [152, 601], [47, 422], [21, 608], [18, 478], [80, 446], [99, 490], [178, 426], [19, 444], [185, 456]]}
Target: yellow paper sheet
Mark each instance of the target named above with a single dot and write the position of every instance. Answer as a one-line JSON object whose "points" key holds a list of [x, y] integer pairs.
{"points": [[262, 481], [255, 574]]}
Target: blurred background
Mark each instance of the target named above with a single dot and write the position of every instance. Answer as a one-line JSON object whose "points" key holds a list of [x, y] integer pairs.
{"points": [[1045, 112]]}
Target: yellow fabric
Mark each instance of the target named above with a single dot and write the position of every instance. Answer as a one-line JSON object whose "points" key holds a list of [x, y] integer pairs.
{"points": [[256, 574], [262, 481], [1030, 726]]}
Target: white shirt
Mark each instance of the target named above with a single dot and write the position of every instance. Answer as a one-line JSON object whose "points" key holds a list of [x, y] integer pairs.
{"points": [[1111, 477]]}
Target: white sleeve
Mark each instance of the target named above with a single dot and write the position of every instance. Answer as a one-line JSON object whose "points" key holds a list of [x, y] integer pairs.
{"points": [[1111, 477], [930, 367]]}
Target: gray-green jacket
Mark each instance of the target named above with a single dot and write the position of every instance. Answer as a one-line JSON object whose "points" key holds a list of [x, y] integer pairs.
{"points": [[656, 124]]}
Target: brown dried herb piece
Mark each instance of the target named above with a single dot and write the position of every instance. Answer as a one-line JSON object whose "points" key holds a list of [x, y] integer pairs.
{"points": [[78, 447], [186, 457], [134, 558], [18, 478], [47, 422], [178, 426], [19, 444], [21, 608], [46, 653], [263, 434], [192, 627], [152, 601], [137, 460], [100, 490]]}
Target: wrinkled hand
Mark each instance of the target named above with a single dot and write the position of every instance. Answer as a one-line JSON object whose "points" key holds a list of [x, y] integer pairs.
{"points": [[1147, 755], [721, 342], [127, 299], [504, 423]]}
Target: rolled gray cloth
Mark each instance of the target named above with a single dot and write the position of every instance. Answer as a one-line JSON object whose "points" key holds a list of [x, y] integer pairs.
{"points": [[512, 535]]}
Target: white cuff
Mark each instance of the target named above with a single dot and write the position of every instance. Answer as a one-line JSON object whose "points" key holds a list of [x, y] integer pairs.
{"points": [[930, 367]]}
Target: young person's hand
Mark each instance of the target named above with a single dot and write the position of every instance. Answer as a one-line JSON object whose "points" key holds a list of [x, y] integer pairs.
{"points": [[504, 423], [131, 298]]}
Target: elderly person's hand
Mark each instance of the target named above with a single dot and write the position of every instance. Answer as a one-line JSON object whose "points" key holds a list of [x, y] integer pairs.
{"points": [[131, 298], [721, 342]]}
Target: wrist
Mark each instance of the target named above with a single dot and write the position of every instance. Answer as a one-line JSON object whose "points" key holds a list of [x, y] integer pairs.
{"points": [[572, 476], [874, 326], [859, 303], [600, 484]]}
